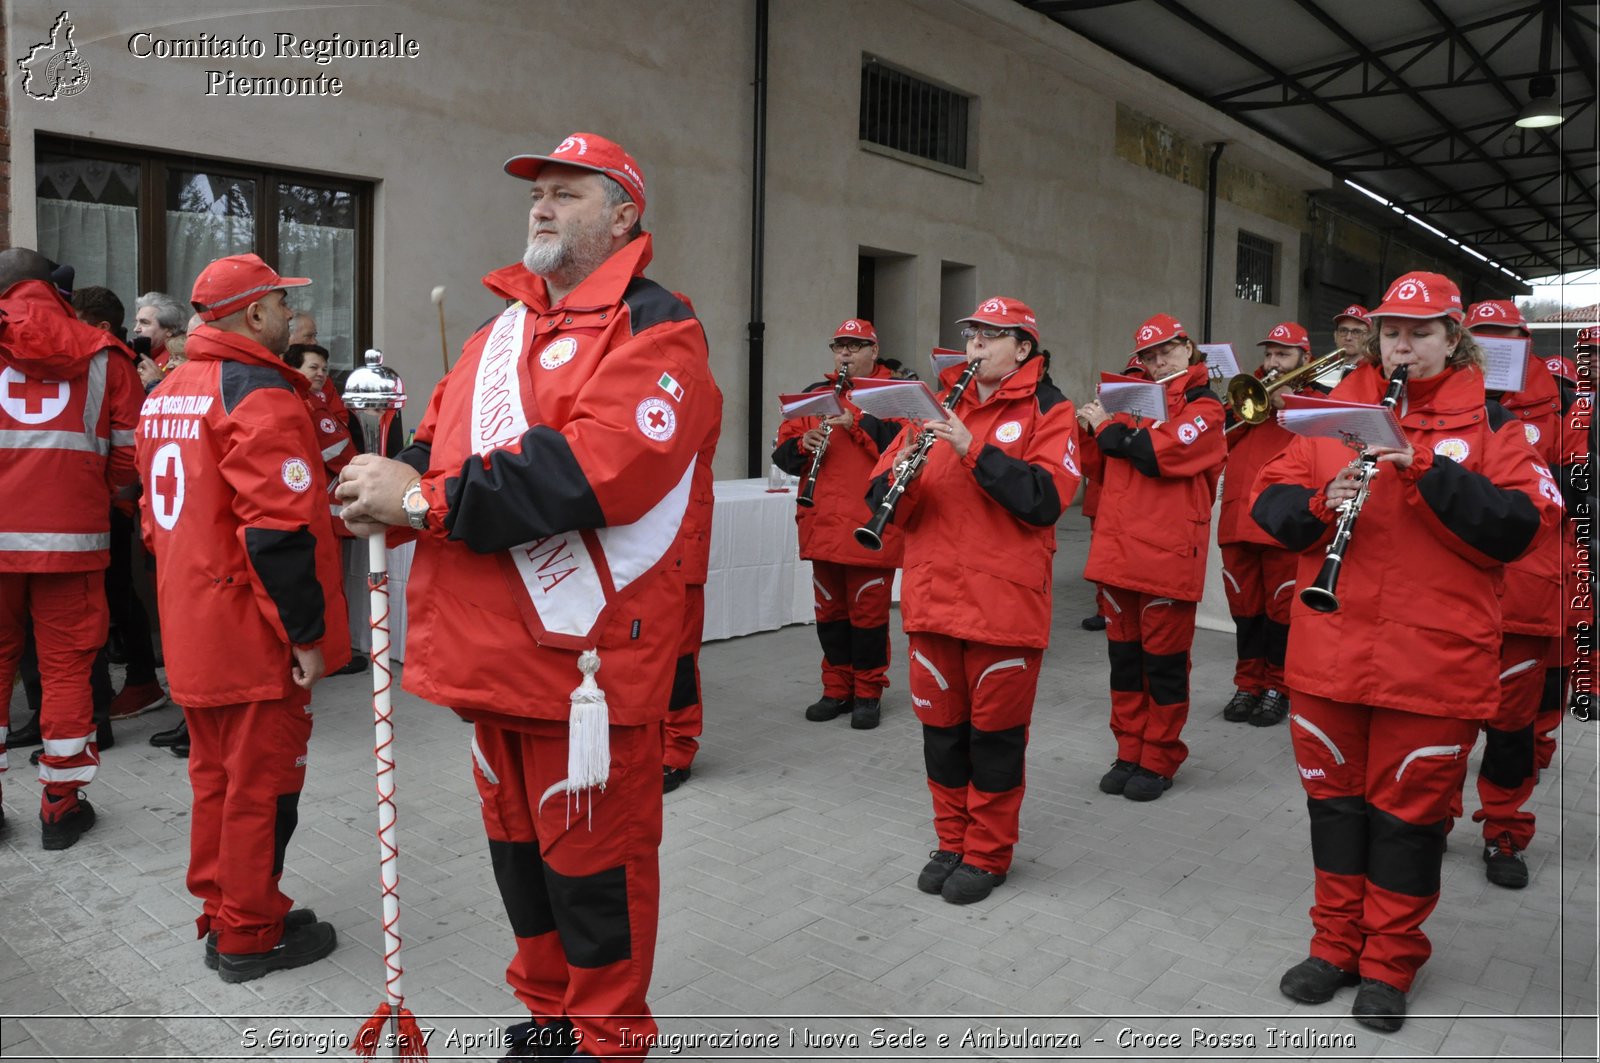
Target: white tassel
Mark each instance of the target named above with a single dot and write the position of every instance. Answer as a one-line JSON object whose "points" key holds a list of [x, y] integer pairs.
{"points": [[588, 737]]}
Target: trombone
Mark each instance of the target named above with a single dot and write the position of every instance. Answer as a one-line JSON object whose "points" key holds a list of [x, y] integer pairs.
{"points": [[1250, 398]]}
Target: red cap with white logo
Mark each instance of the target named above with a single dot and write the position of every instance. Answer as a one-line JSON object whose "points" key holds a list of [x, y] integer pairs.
{"points": [[1156, 331], [1002, 312], [1562, 367], [587, 151], [1287, 334], [230, 284], [1421, 295], [1501, 313], [856, 328], [1355, 312]]}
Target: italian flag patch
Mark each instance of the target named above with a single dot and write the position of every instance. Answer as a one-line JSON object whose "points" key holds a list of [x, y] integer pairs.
{"points": [[671, 386]]}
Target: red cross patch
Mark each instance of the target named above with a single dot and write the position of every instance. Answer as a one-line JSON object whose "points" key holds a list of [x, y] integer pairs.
{"points": [[656, 419]]}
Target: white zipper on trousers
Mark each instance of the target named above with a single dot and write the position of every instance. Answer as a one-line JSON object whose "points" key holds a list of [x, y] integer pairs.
{"points": [[1156, 601], [483, 764], [1013, 662], [1112, 601], [1322, 736], [1229, 577], [1427, 751], [820, 588], [916, 655], [870, 583], [1289, 583], [1518, 668]]}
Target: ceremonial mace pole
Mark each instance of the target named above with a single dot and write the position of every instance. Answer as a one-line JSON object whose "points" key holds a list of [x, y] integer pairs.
{"points": [[375, 393]]}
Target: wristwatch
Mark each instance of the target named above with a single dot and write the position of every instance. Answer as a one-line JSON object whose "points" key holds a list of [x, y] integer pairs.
{"points": [[415, 505]]}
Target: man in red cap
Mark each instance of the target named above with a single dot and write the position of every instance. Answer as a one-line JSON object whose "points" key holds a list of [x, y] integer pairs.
{"points": [[235, 513], [1352, 328], [1148, 553], [69, 399], [1257, 572], [852, 583], [548, 485]]}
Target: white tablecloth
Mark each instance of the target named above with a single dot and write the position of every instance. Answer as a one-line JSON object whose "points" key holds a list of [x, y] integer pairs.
{"points": [[756, 580]]}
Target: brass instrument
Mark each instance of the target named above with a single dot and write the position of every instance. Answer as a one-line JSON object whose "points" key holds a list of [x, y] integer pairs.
{"points": [[808, 486], [1251, 398]]}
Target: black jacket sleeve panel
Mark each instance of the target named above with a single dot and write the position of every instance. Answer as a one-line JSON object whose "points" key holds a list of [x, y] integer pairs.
{"points": [[1284, 512], [523, 493], [417, 455], [1130, 444], [1496, 522], [882, 433], [1025, 491], [286, 563], [877, 487], [790, 458]]}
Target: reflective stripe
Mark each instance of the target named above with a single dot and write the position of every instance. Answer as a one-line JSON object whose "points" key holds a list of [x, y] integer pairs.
{"points": [[483, 763], [333, 451], [123, 437], [1338, 757], [95, 399], [54, 542], [1427, 751], [1289, 583], [916, 655], [820, 589], [1013, 662], [1110, 600], [1229, 577], [1518, 668], [51, 773], [1156, 601], [869, 583], [50, 439], [66, 747]]}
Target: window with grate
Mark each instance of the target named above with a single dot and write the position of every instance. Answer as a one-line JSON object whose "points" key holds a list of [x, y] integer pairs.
{"points": [[1257, 277], [909, 114]]}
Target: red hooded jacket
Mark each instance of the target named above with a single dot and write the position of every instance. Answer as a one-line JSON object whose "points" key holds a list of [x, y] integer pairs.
{"points": [[69, 399], [1531, 603]]}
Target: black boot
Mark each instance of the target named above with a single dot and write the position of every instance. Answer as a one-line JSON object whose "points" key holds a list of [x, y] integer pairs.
{"points": [[826, 708], [169, 738], [26, 735]]}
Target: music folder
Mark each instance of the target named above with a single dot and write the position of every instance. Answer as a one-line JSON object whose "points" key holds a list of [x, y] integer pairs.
{"points": [[944, 358], [1221, 363], [900, 400], [1133, 395], [1507, 359], [1356, 424], [810, 404]]}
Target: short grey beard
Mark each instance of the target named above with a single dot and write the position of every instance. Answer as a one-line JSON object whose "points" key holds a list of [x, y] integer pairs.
{"points": [[546, 258], [567, 260]]}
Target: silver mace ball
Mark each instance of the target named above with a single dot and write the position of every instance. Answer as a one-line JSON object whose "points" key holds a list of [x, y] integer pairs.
{"points": [[374, 392]]}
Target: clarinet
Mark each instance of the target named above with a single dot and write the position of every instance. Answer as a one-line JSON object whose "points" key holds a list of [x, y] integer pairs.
{"points": [[1320, 595], [871, 534], [808, 487]]}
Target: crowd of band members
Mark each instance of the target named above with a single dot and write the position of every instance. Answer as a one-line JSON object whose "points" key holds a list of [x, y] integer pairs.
{"points": [[1459, 607]]}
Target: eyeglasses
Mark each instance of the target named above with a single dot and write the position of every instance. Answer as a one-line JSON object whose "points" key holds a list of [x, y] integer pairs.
{"points": [[840, 346], [971, 332], [1347, 331]]}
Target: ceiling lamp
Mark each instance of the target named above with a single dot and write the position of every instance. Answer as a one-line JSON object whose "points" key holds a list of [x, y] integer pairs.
{"points": [[1541, 111]]}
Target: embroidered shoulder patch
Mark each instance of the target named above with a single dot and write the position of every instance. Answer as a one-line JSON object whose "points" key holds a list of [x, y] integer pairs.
{"points": [[1009, 432], [558, 352], [656, 419], [297, 474]]}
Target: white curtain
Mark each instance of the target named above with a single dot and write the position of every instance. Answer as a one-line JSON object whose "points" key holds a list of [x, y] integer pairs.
{"points": [[100, 242], [328, 256], [195, 240]]}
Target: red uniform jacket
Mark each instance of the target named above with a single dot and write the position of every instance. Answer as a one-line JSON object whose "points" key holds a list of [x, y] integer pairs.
{"points": [[69, 399], [235, 512], [1531, 604], [980, 531], [1418, 624], [827, 529], [1249, 448], [702, 501], [617, 388], [1153, 527], [330, 422]]}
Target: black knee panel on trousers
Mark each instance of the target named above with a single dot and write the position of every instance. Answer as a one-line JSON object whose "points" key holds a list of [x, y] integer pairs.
{"points": [[1404, 857], [283, 825], [1338, 834], [519, 872], [947, 751], [1507, 757], [997, 758], [685, 691], [869, 647], [835, 638], [1249, 636], [1168, 674], [1555, 690], [591, 915], [1275, 637], [1127, 665]]}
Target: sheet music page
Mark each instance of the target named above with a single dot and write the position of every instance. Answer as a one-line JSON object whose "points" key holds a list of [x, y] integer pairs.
{"points": [[810, 404], [1221, 363], [902, 400], [1508, 362], [1126, 394], [1349, 422], [944, 358]]}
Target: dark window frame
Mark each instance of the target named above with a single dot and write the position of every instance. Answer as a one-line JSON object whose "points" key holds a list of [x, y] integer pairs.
{"points": [[917, 119], [1256, 265]]}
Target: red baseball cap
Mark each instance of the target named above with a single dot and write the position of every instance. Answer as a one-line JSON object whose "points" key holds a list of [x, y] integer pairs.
{"points": [[1420, 295], [1287, 334], [1502, 313], [587, 151], [856, 328], [1587, 338], [230, 284], [1002, 312], [1562, 367], [1156, 331], [1354, 311]]}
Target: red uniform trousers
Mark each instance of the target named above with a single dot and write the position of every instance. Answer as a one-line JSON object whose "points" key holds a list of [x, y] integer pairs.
{"points": [[581, 880], [247, 766], [1552, 707], [685, 717], [1507, 774], [1148, 639], [1259, 580], [1379, 783], [975, 702], [853, 627], [70, 619]]}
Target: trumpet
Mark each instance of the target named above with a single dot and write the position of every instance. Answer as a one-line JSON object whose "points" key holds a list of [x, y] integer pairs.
{"points": [[870, 534], [1320, 595], [808, 486], [1251, 399]]}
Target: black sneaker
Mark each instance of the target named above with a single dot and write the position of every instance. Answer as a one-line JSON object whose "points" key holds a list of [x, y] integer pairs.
{"points": [[1379, 1005], [1240, 706], [1093, 623], [295, 918], [1115, 780], [26, 735], [1503, 863], [941, 863], [540, 1040], [358, 664], [1146, 785], [1314, 981], [1273, 708], [299, 946], [826, 708], [968, 884], [64, 832], [172, 736], [864, 713], [672, 778]]}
